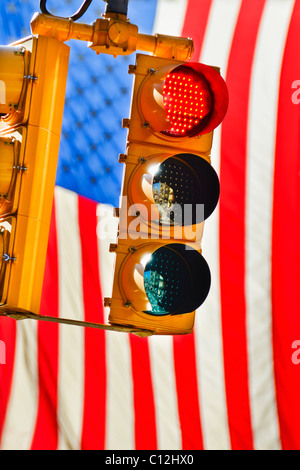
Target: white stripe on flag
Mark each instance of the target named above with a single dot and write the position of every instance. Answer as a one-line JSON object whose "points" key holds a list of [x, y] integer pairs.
{"points": [[119, 402], [169, 17], [208, 330], [107, 227], [23, 402], [165, 396], [71, 338], [259, 200]]}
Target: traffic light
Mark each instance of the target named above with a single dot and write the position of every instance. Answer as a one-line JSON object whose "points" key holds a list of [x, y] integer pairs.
{"points": [[33, 74], [169, 190]]}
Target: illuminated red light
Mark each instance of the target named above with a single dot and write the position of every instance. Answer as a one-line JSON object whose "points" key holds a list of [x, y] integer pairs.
{"points": [[191, 93], [192, 88]]}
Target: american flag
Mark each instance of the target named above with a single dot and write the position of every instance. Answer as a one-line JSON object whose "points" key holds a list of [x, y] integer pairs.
{"points": [[234, 383]]}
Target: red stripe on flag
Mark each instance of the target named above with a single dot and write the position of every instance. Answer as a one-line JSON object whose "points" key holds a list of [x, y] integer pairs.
{"points": [[46, 432], [232, 224], [143, 397], [285, 243], [8, 336], [93, 428], [187, 392], [195, 23]]}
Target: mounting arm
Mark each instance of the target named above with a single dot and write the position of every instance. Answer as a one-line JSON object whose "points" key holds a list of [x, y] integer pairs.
{"points": [[112, 34]]}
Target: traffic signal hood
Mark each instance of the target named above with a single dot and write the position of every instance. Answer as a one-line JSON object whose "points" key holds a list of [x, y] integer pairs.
{"points": [[169, 189], [33, 75]]}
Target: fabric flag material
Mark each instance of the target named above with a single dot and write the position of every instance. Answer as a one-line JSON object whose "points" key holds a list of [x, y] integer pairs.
{"points": [[233, 383]]}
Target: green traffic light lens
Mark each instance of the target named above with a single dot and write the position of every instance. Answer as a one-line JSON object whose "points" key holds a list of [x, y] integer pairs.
{"points": [[185, 189], [176, 280], [166, 276]]}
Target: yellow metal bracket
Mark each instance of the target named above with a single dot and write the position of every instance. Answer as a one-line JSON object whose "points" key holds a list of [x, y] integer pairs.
{"points": [[26, 315], [112, 34]]}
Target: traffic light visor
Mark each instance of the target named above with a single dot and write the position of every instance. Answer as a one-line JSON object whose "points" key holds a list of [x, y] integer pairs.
{"points": [[7, 227], [13, 68], [10, 176], [184, 101]]}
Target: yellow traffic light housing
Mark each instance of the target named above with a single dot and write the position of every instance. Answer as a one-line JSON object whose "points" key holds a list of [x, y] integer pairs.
{"points": [[33, 75], [169, 185], [169, 189]]}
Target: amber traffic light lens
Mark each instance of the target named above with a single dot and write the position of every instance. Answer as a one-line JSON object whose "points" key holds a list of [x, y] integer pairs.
{"points": [[176, 280], [187, 100], [185, 189]]}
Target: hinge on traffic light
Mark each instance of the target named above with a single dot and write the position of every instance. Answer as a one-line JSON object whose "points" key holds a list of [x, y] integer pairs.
{"points": [[116, 212], [131, 69], [122, 158], [113, 247], [107, 302], [20, 168], [30, 77], [6, 257], [126, 123]]}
